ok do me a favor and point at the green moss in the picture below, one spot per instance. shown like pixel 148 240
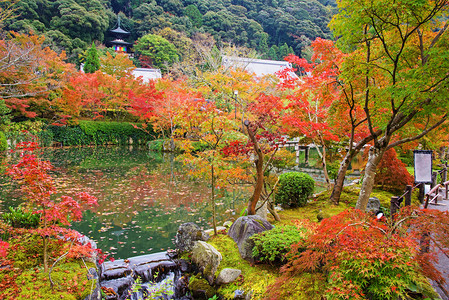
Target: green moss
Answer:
pixel 70 281
pixel 197 283
pixel 255 278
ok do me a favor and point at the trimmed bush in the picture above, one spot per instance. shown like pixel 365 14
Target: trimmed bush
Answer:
pixel 271 246
pixel 3 143
pixel 98 133
pixel 294 188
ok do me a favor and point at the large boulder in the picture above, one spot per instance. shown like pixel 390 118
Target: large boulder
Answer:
pixel 228 275
pixel 373 205
pixel 187 235
pixel 207 258
pixel 241 231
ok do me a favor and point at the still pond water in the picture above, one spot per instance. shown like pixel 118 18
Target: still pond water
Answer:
pixel 143 197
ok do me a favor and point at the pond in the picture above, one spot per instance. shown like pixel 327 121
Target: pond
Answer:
pixel 143 196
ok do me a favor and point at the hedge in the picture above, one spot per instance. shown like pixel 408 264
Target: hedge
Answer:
pixel 3 143
pixel 96 133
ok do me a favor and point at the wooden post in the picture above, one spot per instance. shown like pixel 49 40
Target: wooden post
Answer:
pixel 297 154
pixel 306 155
pixel 434 179
pixel 445 191
pixel 394 205
pixel 421 192
pixel 444 175
pixel 408 196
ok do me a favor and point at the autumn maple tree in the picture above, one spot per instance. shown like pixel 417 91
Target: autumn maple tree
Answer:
pixel 397 71
pixel 201 121
pixel 362 257
pixel 98 94
pixel 38 190
pixel 29 72
pixel 310 105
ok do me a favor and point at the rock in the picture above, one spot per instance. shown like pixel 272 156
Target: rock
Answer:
pixel 211 231
pixel 96 293
pixel 228 275
pixel 187 235
pixel 322 215
pixel 114 288
pixel 263 210
pixel 373 205
pixel 114 270
pixel 201 289
pixel 181 285
pixel 239 294
pixel 242 229
pixel 207 258
pixel 227 224
pixel 278 208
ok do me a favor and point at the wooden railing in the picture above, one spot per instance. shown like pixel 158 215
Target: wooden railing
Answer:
pixel 435 192
pixel 430 197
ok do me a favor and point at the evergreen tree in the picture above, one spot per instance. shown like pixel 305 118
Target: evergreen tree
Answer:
pixel 194 14
pixel 92 63
pixel 262 46
pixel 273 52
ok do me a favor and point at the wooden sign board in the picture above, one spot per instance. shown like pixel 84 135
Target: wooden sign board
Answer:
pixel 423 166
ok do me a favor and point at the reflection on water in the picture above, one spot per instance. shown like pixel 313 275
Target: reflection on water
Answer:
pixel 143 196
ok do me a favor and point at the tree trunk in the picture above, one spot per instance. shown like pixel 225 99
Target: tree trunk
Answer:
pixel 273 211
pixel 259 172
pixel 324 163
pixel 214 220
pixel 259 185
pixel 339 182
pixel 374 157
pixel 45 253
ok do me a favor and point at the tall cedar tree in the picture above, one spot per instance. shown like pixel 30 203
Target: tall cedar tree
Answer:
pixel 92 63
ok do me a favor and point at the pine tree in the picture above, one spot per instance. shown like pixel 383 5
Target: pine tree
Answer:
pixel 92 63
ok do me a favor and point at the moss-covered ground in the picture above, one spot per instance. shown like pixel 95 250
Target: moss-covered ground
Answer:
pixel 22 274
pixel 256 278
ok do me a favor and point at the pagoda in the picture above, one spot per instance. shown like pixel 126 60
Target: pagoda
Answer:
pixel 119 44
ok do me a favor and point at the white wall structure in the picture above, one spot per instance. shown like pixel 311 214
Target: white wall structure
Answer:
pixel 147 74
pixel 260 67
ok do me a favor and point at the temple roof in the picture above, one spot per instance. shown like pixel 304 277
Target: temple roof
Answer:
pixel 119 30
pixel 119 42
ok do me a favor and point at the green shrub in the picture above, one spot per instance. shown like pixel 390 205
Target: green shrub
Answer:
pixel 271 246
pixel 294 188
pixel 18 218
pixel 98 133
pixel 332 169
pixel 3 143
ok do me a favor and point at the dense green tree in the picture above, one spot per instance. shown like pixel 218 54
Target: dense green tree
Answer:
pixel 194 14
pixel 250 23
pixel 4 114
pixel 84 19
pixel 92 62
pixel 156 51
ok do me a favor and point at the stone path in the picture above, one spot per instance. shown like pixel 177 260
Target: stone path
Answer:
pixel 443 260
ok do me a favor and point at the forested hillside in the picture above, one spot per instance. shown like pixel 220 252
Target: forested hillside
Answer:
pixel 272 27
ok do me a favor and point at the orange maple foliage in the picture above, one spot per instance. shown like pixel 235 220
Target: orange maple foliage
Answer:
pixel 94 94
pixel 29 72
